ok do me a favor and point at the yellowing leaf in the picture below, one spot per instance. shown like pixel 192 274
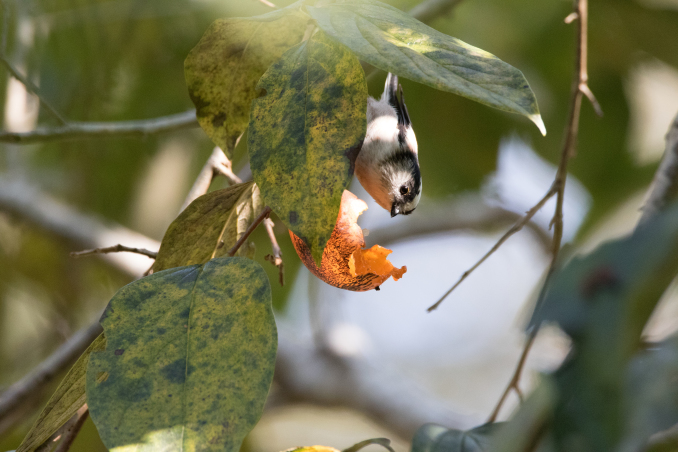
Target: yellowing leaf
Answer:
pixel 223 69
pixel 219 216
pixel 189 359
pixel 305 133
pixel 396 42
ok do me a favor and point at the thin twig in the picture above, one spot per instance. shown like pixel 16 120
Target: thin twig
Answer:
pixel 85 130
pixel 515 379
pixel 115 249
pixel 579 89
pixel 30 86
pixel 57 362
pixel 269 4
pixel 262 216
pixel 71 433
pixel 217 164
pixel 515 228
pixel 276 257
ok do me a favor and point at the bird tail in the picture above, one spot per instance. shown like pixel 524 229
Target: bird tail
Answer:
pixel 390 96
pixel 390 89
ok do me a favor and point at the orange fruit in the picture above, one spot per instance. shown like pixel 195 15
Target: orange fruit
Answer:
pixel 345 262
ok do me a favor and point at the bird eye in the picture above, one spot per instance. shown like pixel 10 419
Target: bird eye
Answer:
pixel 404 190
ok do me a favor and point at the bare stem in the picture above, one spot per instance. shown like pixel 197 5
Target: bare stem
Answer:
pixel 217 164
pixel 269 4
pixel 579 89
pixel 86 130
pixel 276 257
pixel 64 356
pixel 515 379
pixel 30 86
pixel 515 228
pixel 262 216
pixel 115 249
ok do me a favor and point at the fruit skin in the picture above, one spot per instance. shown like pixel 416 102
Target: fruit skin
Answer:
pixel 347 238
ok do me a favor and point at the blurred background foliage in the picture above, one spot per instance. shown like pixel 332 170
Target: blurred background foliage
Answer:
pixel 113 60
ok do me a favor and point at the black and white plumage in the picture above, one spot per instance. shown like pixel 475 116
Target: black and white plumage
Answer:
pixel 388 164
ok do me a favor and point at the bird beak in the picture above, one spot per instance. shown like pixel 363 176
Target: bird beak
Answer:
pixel 394 210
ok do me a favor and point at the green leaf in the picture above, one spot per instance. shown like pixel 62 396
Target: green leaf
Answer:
pixel 651 395
pixel 435 438
pixel 396 42
pixel 220 216
pixel 603 302
pixel 223 69
pixel 625 277
pixel 305 133
pixel 383 442
pixel 66 400
pixel 189 360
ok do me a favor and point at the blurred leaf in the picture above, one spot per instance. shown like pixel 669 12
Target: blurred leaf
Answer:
pixel 529 422
pixel 435 438
pixel 305 133
pixel 223 69
pixel 632 273
pixel 189 359
pixel 64 403
pixel 603 301
pixel 651 397
pixel 384 442
pixel 394 41
pixel 221 215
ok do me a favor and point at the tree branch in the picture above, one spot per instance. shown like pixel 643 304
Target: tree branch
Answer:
pixel 307 374
pixel 664 188
pixel 115 249
pixel 516 227
pixel 30 385
pixel 579 89
pixel 276 257
pixel 27 203
pixel 86 130
pixel 217 164
pixel 30 86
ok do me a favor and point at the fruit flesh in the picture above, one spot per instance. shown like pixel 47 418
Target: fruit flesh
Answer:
pixel 345 263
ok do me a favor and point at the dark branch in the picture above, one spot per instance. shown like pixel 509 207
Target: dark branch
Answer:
pixel 29 386
pixel 262 216
pixel 115 249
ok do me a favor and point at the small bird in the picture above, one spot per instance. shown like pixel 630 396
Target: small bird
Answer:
pixel 388 164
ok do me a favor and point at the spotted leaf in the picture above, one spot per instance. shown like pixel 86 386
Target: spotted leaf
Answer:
pixel 304 135
pixel 396 42
pixel 223 69
pixel 189 359
pixel 209 227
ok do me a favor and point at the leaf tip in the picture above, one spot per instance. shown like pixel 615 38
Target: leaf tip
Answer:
pixel 536 119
